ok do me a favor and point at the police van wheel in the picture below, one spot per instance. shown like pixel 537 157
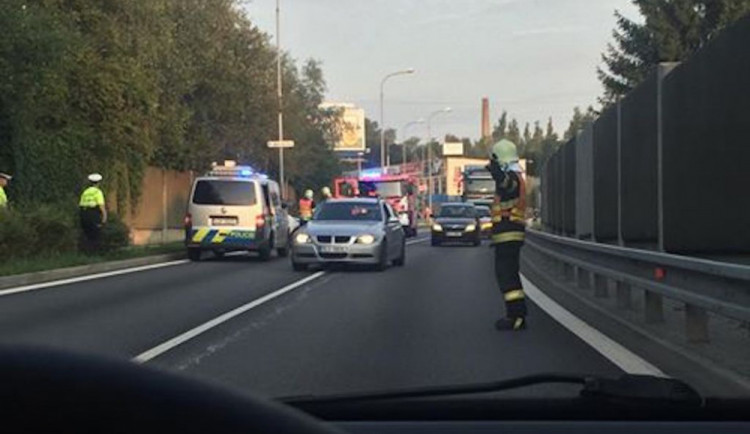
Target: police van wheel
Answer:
pixel 219 253
pixel 194 254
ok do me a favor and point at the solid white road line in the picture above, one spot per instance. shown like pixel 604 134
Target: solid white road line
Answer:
pixel 89 277
pixel 190 334
pixel 614 352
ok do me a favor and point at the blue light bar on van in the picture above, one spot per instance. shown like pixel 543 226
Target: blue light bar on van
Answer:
pixel 236 171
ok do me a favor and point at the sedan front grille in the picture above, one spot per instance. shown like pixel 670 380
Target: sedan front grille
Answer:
pixel 338 239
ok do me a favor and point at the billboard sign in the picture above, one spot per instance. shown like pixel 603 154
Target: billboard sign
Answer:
pixel 453 148
pixel 351 127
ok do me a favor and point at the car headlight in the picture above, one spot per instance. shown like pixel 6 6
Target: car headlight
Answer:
pixel 471 227
pixel 302 238
pixel 437 228
pixel 365 239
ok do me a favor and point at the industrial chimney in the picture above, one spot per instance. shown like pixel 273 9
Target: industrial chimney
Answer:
pixel 486 133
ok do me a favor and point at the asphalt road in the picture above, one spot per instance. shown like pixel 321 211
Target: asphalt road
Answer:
pixel 428 323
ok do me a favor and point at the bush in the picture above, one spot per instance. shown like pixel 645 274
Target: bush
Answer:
pixel 115 234
pixel 46 230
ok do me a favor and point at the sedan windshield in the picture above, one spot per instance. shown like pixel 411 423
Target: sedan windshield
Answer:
pixel 356 211
pixel 457 211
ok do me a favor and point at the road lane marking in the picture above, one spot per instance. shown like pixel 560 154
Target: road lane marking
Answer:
pixel 190 334
pixel 37 286
pixel 418 240
pixel 614 352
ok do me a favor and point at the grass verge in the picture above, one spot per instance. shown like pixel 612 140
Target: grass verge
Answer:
pixel 62 260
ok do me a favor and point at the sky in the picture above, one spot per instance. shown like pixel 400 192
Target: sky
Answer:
pixel 533 58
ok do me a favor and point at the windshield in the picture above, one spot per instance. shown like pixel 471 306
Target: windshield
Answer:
pixel 355 211
pixel 224 193
pixel 457 211
pixel 486 186
pixel 280 196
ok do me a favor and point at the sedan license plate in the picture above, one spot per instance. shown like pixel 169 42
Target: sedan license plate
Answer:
pixel 332 249
pixel 224 221
pixel 453 234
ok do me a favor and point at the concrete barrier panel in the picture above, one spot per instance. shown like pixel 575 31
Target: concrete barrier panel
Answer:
pixel 585 183
pixel 569 187
pixel 638 165
pixel 705 148
pixel 605 176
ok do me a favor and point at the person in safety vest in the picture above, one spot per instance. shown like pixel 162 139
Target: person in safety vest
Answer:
pixel 508 231
pixel 325 192
pixel 306 206
pixel 4 180
pixel 93 213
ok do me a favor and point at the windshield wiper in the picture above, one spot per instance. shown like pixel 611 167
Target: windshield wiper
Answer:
pixel 628 387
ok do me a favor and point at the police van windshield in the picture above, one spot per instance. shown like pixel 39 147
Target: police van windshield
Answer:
pixel 220 192
pixel 348 211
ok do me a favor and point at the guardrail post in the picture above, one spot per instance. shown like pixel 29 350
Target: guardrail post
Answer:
pixel 583 278
pixel 696 323
pixel 624 299
pixel 653 307
pixel 568 272
pixel 601 286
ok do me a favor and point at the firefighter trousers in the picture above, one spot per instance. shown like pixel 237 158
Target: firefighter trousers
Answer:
pixel 507 258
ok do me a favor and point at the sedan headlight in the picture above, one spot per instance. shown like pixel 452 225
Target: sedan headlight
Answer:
pixel 365 239
pixel 471 227
pixel 437 228
pixel 302 238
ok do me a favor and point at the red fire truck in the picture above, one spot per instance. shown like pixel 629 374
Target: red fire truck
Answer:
pixel 400 191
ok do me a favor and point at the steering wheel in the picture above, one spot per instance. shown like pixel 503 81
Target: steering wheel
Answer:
pixel 44 390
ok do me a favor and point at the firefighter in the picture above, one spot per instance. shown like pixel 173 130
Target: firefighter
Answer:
pixel 325 192
pixel 4 180
pixel 93 213
pixel 306 206
pixel 508 231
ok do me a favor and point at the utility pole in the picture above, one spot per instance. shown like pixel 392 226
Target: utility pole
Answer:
pixel 280 95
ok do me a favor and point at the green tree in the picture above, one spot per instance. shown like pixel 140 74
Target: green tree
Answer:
pixel 579 121
pixel 672 31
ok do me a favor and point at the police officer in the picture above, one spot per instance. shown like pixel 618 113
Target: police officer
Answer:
pixel 508 231
pixel 93 213
pixel 4 180
pixel 306 206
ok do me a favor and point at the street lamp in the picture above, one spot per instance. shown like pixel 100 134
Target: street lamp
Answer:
pixel 382 125
pixel 429 151
pixel 403 135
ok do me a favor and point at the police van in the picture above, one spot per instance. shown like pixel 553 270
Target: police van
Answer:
pixel 233 208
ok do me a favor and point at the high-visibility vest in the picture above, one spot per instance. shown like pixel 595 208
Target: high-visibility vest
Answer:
pixel 305 208
pixel 509 210
pixel 3 198
pixel 92 197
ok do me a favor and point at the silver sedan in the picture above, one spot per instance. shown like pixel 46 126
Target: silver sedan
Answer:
pixel 352 231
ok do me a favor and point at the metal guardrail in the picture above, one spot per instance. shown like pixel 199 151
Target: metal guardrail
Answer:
pixel 702 285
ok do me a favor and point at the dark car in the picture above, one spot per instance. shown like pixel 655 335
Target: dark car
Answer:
pixel 456 223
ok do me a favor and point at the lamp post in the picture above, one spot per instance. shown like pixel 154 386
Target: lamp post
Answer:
pixel 383 161
pixel 280 96
pixel 403 135
pixel 429 151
